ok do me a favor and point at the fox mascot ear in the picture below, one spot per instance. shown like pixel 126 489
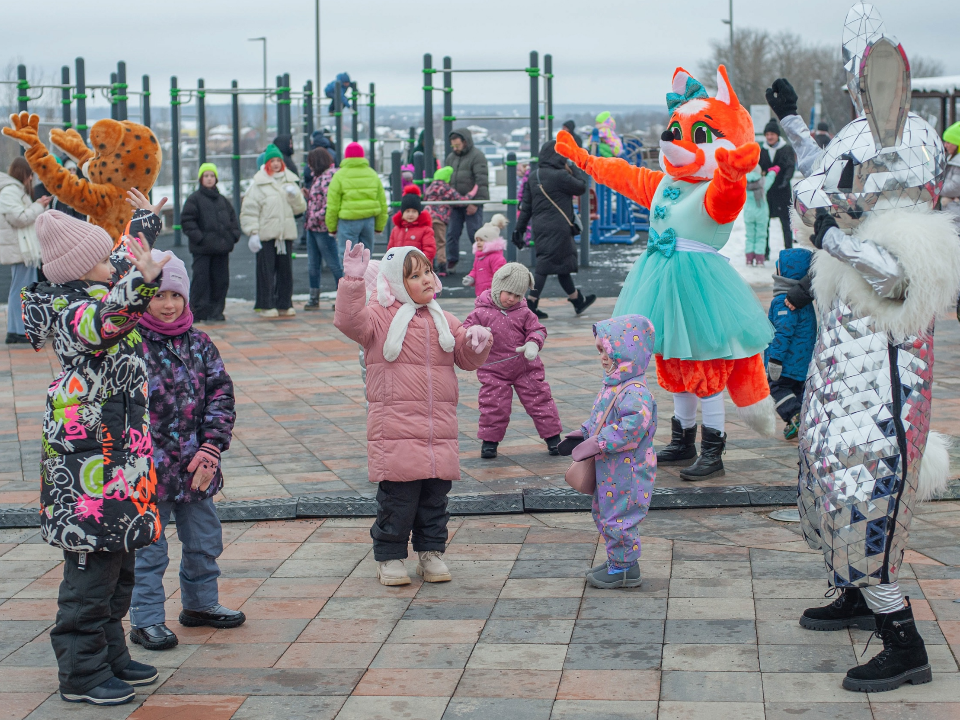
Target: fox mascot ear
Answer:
pixel 725 93
pixel 680 77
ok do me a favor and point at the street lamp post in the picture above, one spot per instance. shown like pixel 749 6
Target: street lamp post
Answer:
pixel 729 21
pixel 318 94
pixel 264 41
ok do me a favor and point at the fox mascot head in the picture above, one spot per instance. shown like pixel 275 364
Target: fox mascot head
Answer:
pixel 700 125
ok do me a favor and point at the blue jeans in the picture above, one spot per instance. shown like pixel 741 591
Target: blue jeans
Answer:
pixel 20 276
pixel 322 246
pixel 201 536
pixel 354 230
pixel 458 220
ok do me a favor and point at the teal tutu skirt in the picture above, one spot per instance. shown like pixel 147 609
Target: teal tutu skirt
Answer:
pixel 700 307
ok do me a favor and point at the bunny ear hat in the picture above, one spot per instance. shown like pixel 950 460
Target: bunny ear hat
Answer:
pixel 390 289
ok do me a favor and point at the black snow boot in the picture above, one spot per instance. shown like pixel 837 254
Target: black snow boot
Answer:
pixel 553 444
pixel 581 302
pixel 314 302
pixel 902 660
pixel 709 464
pixel 848 610
pixel 488 451
pixel 682 450
pixel 533 303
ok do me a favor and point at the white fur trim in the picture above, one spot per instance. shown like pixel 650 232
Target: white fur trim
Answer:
pixel 760 417
pixel 934 467
pixel 692 107
pixel 926 245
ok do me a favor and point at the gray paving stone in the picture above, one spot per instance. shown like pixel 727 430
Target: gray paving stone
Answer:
pixel 789 632
pixel 551 568
pixel 818 711
pixel 613 657
pixel 527 631
pixel 296 707
pixel 53 708
pixel 497 709
pixel 19 632
pixel 450 609
pixel 711 632
pixel 424 656
pixel 623 607
pixel 33 654
pixel 711 686
pixel 603 710
pixel 618 631
pixel 557 551
pixel 490 535
pixel 807 658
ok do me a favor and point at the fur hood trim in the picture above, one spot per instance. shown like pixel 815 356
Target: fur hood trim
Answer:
pixel 927 247
pixel 497 245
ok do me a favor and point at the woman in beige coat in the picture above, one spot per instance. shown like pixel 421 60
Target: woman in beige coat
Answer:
pixel 267 217
pixel 19 247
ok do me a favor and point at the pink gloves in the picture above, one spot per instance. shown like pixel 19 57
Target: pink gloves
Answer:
pixel 774 169
pixel 355 260
pixel 479 337
pixel 204 467
pixel 587 449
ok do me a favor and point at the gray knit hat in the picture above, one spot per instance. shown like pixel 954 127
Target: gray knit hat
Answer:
pixel 512 277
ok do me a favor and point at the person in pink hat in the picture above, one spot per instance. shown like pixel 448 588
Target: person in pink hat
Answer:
pixel 356 201
pixel 98 492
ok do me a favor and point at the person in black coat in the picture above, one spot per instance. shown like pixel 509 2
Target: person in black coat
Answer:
pixel 284 144
pixel 775 151
pixel 547 205
pixel 210 222
pixel 571 127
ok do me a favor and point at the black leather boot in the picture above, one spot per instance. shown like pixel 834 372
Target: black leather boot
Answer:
pixel 709 464
pixel 533 303
pixel 902 660
pixel 581 302
pixel 218 616
pixel 682 450
pixel 553 445
pixel 154 637
pixel 488 451
pixel 848 610
pixel 314 302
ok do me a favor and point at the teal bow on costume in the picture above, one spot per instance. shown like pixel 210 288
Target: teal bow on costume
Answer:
pixel 693 91
pixel 665 242
pixel 671 193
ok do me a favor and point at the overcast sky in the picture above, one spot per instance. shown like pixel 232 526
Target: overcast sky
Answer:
pixel 624 54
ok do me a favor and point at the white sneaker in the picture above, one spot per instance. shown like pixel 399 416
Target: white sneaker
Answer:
pixel 392 572
pixel 289 312
pixel 432 568
pixel 271 313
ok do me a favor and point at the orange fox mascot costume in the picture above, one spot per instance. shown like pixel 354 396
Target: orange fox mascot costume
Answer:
pixel 125 155
pixel 711 329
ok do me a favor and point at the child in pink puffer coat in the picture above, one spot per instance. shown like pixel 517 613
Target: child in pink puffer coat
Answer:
pixel 518 337
pixel 410 347
pixel 488 256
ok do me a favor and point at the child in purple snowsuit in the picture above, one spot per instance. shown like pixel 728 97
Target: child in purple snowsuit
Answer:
pixel 518 337
pixel 623 447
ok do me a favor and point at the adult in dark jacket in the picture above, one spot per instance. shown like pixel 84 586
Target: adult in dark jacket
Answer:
pixel 469 168
pixel 775 151
pixel 547 205
pixel 211 224
pixel 284 144
pixel 571 127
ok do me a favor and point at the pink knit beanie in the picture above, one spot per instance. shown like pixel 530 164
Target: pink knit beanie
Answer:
pixel 174 274
pixel 70 248
pixel 353 150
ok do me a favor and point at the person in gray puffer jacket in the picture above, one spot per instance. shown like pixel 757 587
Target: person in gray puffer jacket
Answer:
pixel 469 168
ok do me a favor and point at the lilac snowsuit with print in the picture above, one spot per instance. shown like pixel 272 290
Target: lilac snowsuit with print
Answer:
pixel 627 463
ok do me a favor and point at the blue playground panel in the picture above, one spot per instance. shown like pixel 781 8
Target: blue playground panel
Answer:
pixel 620 219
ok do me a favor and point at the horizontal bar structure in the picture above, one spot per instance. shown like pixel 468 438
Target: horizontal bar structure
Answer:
pixel 517 70
pixel 489 117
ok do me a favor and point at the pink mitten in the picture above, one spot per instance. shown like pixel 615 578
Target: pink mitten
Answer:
pixel 587 449
pixel 479 337
pixel 774 169
pixel 355 260
pixel 204 466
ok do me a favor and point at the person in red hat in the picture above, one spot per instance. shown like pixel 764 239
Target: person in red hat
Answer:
pixel 413 226
pixel 356 201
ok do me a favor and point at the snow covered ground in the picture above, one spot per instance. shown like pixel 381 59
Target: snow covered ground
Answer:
pixel 734 249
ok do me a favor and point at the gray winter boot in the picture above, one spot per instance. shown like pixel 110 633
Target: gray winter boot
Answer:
pixel 314 303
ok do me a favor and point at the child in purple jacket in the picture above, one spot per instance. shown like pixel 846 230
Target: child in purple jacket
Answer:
pixel 518 337
pixel 622 445
pixel 191 422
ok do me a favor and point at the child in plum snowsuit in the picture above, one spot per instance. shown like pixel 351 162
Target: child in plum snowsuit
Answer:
pixel 488 256
pixel 795 334
pixel 622 446
pixel 756 213
pixel 518 337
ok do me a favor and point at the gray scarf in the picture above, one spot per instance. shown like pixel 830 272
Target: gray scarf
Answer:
pixel 757 187
pixel 782 285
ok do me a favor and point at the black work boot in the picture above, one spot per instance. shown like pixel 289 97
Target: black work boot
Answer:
pixel 682 450
pixel 902 660
pixel 848 610
pixel 488 451
pixel 581 302
pixel 532 303
pixel 553 444
pixel 314 303
pixel 709 464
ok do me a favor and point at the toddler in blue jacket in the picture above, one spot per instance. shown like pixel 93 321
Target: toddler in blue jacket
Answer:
pixel 795 333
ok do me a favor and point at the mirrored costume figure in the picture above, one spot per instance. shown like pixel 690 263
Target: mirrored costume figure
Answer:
pixel 887 263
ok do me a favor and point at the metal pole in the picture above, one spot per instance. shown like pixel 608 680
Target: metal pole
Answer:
pixel 201 121
pixel 729 21
pixel 145 102
pixel 418 168
pixel 534 72
pixel 338 119
pixel 263 139
pixel 411 144
pixel 121 90
pixel 287 114
pixel 396 184
pixel 81 97
pixel 279 93
pixel 355 127
pixel 175 143
pixel 316 46
pixel 511 165
pixel 548 94
pixel 447 106
pixel 428 72
pixel 373 126
pixel 235 160
pixel 585 221
pixel 113 96
pixel 307 117
pixel 22 86
pixel 65 96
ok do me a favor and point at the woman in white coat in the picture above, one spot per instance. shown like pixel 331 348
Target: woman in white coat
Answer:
pixel 19 247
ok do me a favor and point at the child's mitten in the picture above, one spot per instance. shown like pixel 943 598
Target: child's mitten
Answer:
pixel 479 337
pixel 529 350
pixel 587 449
pixel 254 244
pixel 774 369
pixel 204 467
pixel 468 281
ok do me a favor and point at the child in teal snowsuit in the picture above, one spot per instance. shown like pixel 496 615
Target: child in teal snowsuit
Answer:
pixel 756 213
pixel 622 446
